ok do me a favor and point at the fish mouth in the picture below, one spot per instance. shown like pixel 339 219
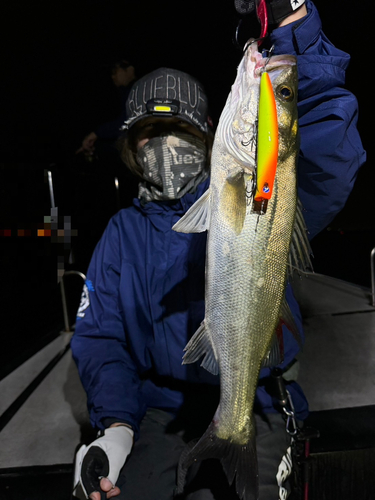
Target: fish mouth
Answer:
pixel 257 64
pixel 274 63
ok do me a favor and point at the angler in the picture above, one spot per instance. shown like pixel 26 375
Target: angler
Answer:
pixel 146 294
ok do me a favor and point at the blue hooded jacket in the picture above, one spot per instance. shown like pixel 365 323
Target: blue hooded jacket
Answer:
pixel 331 151
pixel 144 295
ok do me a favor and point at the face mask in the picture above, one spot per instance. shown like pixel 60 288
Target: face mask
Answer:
pixel 173 165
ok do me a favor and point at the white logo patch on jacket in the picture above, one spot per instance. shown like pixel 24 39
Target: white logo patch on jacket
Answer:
pixel 85 299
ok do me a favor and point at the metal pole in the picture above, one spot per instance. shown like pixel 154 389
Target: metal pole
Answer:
pixel 78 273
pixel 50 184
pixel 63 299
pixel 64 306
pixel 373 276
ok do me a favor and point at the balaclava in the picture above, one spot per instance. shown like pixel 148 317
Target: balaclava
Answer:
pixel 173 165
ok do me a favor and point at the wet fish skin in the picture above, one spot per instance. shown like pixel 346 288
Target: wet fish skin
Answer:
pixel 247 256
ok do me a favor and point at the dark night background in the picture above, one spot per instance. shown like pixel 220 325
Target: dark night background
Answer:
pixel 56 88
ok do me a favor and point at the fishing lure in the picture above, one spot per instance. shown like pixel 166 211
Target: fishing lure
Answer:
pixel 268 141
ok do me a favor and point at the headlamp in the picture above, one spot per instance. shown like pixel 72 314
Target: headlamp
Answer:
pixel 163 107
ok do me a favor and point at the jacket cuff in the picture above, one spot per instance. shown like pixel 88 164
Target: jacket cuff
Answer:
pixel 107 422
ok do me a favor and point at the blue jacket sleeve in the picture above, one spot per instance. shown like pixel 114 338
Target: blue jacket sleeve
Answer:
pixel 107 371
pixel 331 151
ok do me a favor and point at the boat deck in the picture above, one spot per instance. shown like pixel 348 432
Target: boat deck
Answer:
pixel 335 371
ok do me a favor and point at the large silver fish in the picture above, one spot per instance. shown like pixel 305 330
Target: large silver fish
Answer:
pixel 247 260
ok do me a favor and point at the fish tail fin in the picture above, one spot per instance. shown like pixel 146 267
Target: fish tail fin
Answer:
pixel 239 462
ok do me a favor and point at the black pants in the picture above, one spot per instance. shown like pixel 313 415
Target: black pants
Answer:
pixel 150 472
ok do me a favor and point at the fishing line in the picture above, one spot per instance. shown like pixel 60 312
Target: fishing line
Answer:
pixel 267 54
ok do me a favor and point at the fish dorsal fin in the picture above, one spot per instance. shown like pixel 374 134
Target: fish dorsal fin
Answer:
pixel 197 218
pixel 198 345
pixel 300 250
pixel 275 355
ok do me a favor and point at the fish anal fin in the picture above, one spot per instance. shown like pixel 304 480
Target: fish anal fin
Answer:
pixel 239 462
pixel 275 355
pixel 197 218
pixel 287 319
pixel 233 200
pixel 200 344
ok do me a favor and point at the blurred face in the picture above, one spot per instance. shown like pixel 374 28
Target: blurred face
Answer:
pixel 122 77
pixel 153 126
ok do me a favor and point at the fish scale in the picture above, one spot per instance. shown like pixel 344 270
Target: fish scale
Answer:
pixel 246 264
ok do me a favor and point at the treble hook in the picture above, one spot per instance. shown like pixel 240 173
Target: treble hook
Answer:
pixel 251 141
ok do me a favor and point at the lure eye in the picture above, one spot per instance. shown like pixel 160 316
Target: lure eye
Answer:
pixel 286 93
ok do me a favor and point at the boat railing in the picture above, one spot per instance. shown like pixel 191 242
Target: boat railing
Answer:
pixel 67 325
pixel 373 276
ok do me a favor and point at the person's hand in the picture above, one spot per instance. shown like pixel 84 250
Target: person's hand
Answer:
pixel 97 466
pixel 88 144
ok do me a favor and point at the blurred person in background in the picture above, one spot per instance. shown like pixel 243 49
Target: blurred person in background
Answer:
pixel 123 76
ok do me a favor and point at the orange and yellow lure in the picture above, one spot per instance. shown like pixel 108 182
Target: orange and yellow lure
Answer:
pixel 268 140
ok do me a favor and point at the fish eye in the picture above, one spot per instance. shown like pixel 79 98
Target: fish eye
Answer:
pixel 285 93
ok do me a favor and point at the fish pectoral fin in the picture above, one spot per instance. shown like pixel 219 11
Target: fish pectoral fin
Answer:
pixel 233 200
pixel 235 175
pixel 200 344
pixel 275 355
pixel 300 250
pixel 286 318
pixel 197 218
